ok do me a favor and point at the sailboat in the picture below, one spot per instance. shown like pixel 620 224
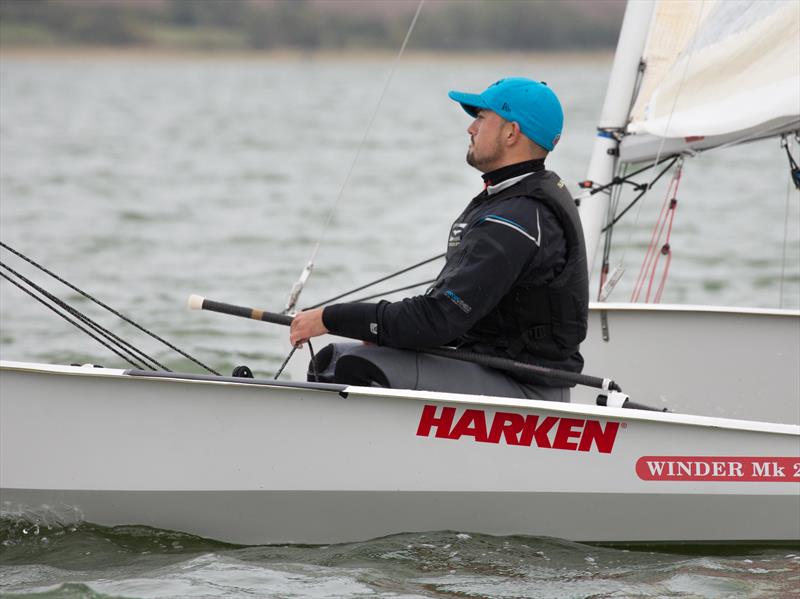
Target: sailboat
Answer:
pixel 261 461
pixel 689 78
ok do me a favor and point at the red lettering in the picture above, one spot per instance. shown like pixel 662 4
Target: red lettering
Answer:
pixel 568 428
pixel 602 438
pixel 508 425
pixel 473 424
pixel 443 424
pixel 531 431
pixel 550 432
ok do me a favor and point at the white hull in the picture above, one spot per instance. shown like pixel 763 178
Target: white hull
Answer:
pixel 252 463
pixel 710 361
pixel 723 362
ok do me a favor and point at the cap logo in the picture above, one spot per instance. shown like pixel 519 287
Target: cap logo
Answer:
pixel 505 107
pixel 555 139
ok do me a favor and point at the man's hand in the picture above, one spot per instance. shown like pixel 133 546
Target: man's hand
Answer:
pixel 306 325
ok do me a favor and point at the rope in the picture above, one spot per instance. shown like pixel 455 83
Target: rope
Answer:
pixel 652 256
pixel 617 180
pixel 285 361
pixel 107 307
pixel 666 250
pixel 313 362
pixel 289 357
pixel 643 190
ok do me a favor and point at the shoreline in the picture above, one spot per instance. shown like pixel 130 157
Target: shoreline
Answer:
pixel 154 54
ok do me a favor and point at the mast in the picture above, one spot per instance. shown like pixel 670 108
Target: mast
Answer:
pixel 614 118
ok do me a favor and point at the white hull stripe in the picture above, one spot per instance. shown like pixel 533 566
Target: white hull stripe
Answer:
pixel 509 223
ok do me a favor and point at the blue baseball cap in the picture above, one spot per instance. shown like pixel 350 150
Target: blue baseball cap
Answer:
pixel 530 103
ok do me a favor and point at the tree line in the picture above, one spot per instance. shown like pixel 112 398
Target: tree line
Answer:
pixel 449 25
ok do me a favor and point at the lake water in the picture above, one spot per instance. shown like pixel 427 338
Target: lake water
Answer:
pixel 143 181
pixel 89 561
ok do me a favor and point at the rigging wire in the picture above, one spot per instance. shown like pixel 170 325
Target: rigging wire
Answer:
pixel 107 307
pixel 615 193
pixel 794 169
pixel 643 190
pixel 298 286
pixel 149 362
pixel 390 292
pixel 785 239
pixel 661 145
pixel 618 180
pixel 793 179
pixel 381 280
pixel 71 321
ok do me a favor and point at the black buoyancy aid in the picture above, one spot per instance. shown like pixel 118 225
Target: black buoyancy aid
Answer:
pixel 545 320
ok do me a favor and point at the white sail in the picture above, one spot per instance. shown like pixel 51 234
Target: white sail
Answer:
pixel 716 71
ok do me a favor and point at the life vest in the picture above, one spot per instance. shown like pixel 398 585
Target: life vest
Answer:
pixel 549 320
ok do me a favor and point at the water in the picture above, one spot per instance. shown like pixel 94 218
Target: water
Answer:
pixel 90 561
pixel 143 181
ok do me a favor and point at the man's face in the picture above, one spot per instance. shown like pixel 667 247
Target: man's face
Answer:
pixel 485 149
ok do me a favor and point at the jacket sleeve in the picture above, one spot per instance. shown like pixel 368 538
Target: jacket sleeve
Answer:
pixel 490 258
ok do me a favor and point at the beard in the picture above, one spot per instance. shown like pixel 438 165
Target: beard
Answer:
pixel 484 160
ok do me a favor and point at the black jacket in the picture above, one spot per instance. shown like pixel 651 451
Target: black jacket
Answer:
pixel 512 253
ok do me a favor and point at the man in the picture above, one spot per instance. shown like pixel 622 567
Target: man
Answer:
pixel 515 281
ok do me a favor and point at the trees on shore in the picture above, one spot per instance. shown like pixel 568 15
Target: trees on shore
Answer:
pixel 313 24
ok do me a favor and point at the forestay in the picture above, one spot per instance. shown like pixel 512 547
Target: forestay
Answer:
pixel 716 72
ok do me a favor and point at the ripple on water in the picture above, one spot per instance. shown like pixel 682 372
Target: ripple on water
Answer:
pixel 135 561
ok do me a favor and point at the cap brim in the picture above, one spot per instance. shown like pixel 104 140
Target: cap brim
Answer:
pixel 469 102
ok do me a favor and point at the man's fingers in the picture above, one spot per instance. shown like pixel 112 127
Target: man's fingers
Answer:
pixel 306 325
